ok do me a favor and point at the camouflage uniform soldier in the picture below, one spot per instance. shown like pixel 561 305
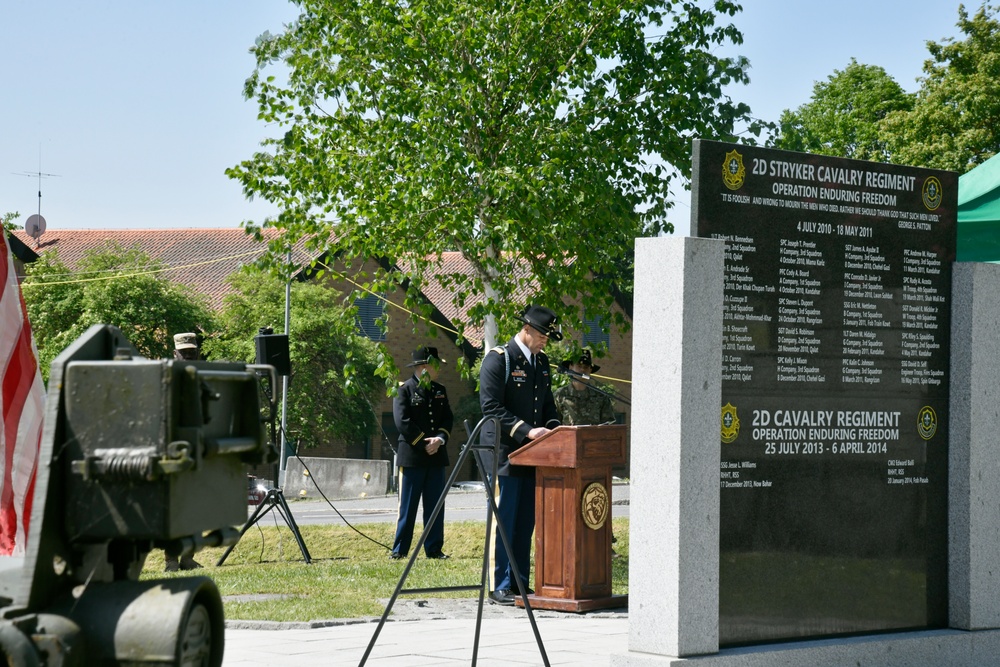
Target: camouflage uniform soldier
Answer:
pixel 185 347
pixel 577 404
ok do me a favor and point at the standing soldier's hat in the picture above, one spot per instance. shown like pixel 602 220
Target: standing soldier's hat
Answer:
pixel 186 341
pixel 583 358
pixel 423 355
pixel 542 319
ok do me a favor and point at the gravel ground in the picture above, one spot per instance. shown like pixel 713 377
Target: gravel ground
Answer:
pixel 416 608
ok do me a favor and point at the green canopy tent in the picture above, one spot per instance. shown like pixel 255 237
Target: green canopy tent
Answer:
pixel 979 213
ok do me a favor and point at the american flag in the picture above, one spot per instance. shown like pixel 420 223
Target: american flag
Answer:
pixel 22 397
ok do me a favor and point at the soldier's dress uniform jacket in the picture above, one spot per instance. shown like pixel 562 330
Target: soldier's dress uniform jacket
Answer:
pixel 521 399
pixel 420 412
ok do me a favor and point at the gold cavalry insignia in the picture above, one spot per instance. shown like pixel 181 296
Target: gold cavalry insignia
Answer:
pixel 594 505
pixel 927 422
pixel 932 193
pixel 733 172
pixel 730 423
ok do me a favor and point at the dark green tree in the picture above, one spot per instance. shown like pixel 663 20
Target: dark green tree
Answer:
pixel 843 117
pixel 333 386
pixel 7 223
pixel 539 139
pixel 112 285
pixel 955 120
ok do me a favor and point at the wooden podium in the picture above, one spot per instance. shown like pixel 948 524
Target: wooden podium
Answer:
pixel 573 515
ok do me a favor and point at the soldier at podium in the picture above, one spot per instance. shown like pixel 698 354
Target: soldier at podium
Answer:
pixel 515 385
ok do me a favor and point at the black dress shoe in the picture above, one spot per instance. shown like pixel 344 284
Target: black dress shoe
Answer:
pixel 439 556
pixel 395 556
pixel 502 596
pixel 188 563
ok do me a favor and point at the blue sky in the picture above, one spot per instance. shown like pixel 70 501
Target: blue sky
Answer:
pixel 137 106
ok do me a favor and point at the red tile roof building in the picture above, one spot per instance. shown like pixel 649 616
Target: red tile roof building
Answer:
pixel 199 258
pixel 203 258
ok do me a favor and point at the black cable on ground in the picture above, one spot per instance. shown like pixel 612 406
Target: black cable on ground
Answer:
pixel 295 452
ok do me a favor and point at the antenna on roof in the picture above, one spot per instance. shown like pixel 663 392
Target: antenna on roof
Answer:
pixel 34 226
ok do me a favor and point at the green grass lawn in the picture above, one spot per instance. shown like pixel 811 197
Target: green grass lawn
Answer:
pixel 266 578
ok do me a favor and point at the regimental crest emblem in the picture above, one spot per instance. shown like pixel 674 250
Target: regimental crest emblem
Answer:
pixel 733 172
pixel 594 505
pixel 932 193
pixel 927 422
pixel 730 424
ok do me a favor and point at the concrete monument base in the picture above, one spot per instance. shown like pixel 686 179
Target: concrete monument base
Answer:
pixel 941 648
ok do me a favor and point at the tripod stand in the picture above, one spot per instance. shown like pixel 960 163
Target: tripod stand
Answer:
pixel 476 451
pixel 273 500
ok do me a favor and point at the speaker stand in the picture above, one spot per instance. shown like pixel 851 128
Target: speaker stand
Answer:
pixel 274 500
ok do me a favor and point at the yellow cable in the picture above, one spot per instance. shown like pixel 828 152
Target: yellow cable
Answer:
pixel 344 276
pixel 119 276
pixel 339 274
pixel 441 326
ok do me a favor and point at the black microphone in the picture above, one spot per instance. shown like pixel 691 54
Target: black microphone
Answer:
pixel 570 372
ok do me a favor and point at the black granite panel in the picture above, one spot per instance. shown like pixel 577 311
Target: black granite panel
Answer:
pixel 833 422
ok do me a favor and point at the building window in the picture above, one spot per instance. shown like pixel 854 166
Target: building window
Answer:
pixel 370 310
pixel 596 337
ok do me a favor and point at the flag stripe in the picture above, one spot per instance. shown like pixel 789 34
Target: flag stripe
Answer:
pixel 21 410
pixel 29 437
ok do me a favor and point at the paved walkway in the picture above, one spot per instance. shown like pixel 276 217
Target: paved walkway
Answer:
pixel 571 640
pixel 432 631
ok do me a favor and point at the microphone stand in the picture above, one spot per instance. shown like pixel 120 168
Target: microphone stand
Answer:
pixel 585 381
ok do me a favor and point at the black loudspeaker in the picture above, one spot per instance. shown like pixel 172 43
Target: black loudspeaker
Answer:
pixel 273 349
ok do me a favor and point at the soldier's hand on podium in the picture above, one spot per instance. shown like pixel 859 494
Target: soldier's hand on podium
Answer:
pixel 537 432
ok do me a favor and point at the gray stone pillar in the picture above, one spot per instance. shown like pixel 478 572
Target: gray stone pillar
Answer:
pixel 974 448
pixel 676 389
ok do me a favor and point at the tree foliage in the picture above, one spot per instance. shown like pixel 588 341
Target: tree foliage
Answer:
pixel 7 221
pixel 112 285
pixel 955 120
pixel 333 385
pixel 842 118
pixel 540 135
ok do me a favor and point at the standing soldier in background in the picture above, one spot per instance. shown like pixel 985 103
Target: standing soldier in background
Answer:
pixel 579 405
pixel 424 419
pixel 185 348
